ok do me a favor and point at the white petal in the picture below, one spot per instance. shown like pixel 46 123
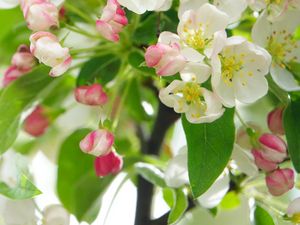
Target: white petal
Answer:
pixel 244 161
pixel 196 72
pixel 232 8
pixel 261 30
pixel 218 43
pixel 135 6
pixel 192 55
pixel 176 173
pixel 214 195
pixel 294 207
pixel 167 38
pixel 283 78
pixel 186 5
pixel 7 4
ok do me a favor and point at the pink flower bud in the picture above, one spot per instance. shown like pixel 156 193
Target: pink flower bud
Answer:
pixel 98 142
pixel 110 163
pixel 112 21
pixel 91 95
pixel 275 123
pixel 166 59
pixel 280 181
pixel 22 62
pixel 37 122
pixel 46 47
pixel 263 163
pixel 40 15
pixel 273 147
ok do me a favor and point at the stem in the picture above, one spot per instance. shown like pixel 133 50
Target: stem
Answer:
pixel 278 92
pixel 241 119
pixel 79 13
pixel 80 31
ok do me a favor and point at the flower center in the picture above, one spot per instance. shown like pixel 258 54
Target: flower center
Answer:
pixel 192 92
pixel 230 65
pixel 277 2
pixel 195 37
pixel 296 218
pixel 280 46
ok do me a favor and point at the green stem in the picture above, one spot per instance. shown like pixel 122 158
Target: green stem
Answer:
pixel 80 31
pixel 278 92
pixel 241 119
pixel 80 13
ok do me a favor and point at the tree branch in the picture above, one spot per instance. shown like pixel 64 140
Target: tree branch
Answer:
pixel 165 118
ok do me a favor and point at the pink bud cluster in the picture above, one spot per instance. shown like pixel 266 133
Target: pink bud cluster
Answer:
pixel 270 152
pixel 37 122
pixel 40 15
pixel 166 59
pixel 91 95
pixel 112 21
pixel 22 62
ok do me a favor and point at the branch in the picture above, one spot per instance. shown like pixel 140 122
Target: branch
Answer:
pixel 164 120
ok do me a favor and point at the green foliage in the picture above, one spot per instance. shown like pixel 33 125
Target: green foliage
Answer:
pixel 18 97
pixel 230 201
pixel 78 188
pixel 151 174
pixel 102 68
pixel 262 217
pixel 23 190
pixel 209 150
pixel 136 60
pixel 178 205
pixel 291 122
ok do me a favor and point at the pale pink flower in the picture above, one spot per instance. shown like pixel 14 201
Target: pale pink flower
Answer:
pixel 46 47
pixel 263 163
pixel 97 142
pixel 166 59
pixel 112 21
pixel 91 95
pixel 275 122
pixel 110 163
pixel 37 122
pixel 40 15
pixel 280 181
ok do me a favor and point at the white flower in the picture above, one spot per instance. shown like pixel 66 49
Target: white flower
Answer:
pixel 277 38
pixel 176 174
pixel 214 195
pixel 238 72
pixel 141 6
pixel 198 104
pixel 56 215
pixel 199 27
pixel 274 9
pixel 7 4
pixel 233 8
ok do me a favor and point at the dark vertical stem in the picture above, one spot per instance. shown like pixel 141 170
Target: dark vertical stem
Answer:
pixel 165 118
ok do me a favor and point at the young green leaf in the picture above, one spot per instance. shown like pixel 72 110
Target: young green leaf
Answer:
pixel 291 123
pixel 23 190
pixel 209 149
pixel 262 217
pixel 17 97
pixel 150 173
pixel 179 206
pixel 78 188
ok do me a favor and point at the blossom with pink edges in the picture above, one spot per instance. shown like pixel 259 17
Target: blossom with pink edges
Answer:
pixel 275 122
pixel 110 163
pixel 280 181
pixel 91 95
pixel 112 21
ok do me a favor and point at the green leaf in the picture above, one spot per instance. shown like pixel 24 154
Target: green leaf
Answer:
pixel 102 68
pixel 179 206
pixel 136 60
pixel 78 188
pixel 291 121
pixel 230 201
pixel 262 217
pixel 23 190
pixel 16 98
pixel 209 150
pixel 150 173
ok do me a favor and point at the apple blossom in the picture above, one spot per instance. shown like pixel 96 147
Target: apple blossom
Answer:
pixel 97 142
pixel 40 15
pixel 7 4
pixel 202 28
pixel 166 59
pixel 55 215
pixel 275 122
pixel 232 8
pixel 280 181
pixel 199 104
pixel 110 163
pixel 22 62
pixel 277 38
pixel 293 210
pixel 90 95
pixel 246 136
pixel 273 147
pixel 47 49
pixel 37 122
pixel 112 21
pixel 263 163
pixel 141 6
pixel 238 72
